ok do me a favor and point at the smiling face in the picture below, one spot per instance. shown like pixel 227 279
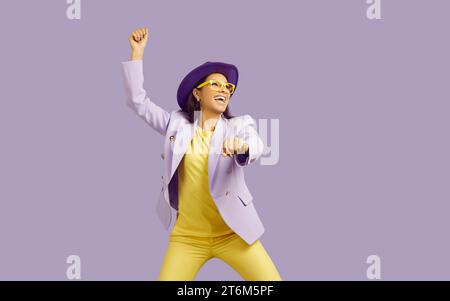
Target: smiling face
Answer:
pixel 211 100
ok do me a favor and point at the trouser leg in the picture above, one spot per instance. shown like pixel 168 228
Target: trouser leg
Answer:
pixel 252 262
pixel 184 258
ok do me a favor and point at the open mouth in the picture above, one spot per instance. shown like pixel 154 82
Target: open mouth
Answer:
pixel 220 99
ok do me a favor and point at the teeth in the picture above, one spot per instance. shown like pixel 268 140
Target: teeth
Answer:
pixel 220 98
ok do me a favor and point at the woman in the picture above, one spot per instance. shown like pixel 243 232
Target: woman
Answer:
pixel 205 152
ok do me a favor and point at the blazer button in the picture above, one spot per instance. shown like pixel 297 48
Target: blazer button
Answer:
pixel 172 138
pixel 227 193
pixel 162 156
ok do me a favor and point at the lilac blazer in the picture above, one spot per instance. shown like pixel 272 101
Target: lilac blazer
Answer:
pixel 226 175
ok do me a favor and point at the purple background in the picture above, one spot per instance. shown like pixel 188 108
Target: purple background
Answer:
pixel 364 145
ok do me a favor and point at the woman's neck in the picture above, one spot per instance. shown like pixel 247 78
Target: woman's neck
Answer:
pixel 208 120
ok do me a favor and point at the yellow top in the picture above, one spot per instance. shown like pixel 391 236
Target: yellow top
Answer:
pixel 197 212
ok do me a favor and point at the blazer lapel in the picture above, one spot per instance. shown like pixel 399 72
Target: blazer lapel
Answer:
pixel 182 140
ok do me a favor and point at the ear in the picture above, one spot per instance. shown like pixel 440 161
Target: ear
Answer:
pixel 196 94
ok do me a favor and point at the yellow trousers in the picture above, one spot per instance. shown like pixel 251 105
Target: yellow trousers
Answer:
pixel 185 256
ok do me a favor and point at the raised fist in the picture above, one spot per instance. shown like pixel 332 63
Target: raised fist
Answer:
pixel 138 40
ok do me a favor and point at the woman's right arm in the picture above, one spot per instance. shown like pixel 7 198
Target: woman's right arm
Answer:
pixel 137 98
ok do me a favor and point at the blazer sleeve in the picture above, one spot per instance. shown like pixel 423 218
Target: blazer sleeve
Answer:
pixel 248 133
pixel 138 100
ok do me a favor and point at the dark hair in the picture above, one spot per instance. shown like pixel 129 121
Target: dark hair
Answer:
pixel 193 105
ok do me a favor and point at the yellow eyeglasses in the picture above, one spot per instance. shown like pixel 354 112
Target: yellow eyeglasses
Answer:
pixel 217 85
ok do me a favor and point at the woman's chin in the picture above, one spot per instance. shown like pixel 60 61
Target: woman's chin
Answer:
pixel 220 109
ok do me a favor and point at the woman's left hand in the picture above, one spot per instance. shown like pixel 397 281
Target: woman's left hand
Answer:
pixel 234 146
